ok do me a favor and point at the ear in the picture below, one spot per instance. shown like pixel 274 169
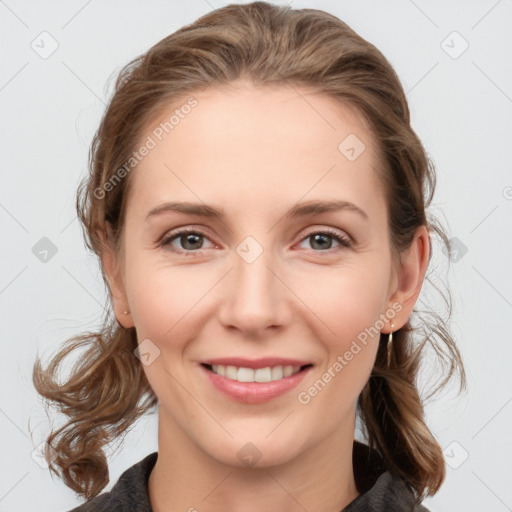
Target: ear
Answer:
pixel 410 272
pixel 114 277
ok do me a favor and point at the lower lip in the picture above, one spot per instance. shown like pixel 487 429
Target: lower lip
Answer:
pixel 254 392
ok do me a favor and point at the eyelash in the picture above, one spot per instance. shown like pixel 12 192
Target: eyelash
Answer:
pixel 343 240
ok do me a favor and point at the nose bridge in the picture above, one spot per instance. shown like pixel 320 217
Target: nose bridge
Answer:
pixel 255 297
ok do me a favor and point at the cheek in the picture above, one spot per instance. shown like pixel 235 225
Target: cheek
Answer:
pixel 350 355
pixel 165 302
pixel 345 306
pixel 340 302
pixel 345 300
pixel 163 297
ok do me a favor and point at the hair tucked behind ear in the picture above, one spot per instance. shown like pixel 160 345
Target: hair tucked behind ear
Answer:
pixel 270 46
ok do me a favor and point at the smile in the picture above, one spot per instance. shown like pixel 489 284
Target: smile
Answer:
pixel 242 374
pixel 254 385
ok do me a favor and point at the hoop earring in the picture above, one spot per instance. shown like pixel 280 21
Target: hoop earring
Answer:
pixel 390 345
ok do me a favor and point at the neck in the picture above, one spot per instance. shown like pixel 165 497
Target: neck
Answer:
pixel 187 478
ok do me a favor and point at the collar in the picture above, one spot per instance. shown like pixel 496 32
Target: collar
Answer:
pixel 379 489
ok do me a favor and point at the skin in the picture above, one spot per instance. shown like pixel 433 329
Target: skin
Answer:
pixel 255 153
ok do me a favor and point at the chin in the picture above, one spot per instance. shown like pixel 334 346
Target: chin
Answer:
pixel 248 451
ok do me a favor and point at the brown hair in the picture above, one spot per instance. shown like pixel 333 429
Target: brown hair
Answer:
pixel 106 390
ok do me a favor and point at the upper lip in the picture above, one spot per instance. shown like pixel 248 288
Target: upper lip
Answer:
pixel 263 362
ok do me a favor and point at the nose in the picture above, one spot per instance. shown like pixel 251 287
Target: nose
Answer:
pixel 254 297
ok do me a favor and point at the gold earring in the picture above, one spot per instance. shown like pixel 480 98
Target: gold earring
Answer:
pixel 390 345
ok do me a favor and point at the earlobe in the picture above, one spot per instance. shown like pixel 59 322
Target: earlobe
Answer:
pixel 410 275
pixel 116 287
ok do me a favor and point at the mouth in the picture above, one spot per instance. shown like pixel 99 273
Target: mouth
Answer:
pixel 262 375
pixel 254 385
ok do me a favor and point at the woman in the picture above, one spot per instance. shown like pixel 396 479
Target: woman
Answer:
pixel 257 199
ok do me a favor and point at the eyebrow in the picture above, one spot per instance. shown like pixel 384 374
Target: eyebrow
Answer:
pixel 312 207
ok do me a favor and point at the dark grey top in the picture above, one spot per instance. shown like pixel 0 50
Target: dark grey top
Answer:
pixel 380 490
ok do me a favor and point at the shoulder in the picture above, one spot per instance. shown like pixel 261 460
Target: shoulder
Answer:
pixel 129 494
pixel 380 490
pixel 391 489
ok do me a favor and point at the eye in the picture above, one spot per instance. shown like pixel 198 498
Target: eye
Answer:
pixel 191 241
pixel 323 240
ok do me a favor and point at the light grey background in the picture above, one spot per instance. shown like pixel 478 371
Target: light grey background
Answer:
pixel 461 105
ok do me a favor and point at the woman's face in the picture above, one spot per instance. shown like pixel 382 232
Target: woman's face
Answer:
pixel 267 282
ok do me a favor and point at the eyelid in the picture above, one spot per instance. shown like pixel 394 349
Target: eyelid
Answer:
pixel 174 234
pixel 340 236
pixel 343 238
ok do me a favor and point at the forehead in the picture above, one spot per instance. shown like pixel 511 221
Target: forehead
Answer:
pixel 256 147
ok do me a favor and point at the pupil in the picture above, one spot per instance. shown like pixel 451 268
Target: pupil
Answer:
pixel 190 239
pixel 319 237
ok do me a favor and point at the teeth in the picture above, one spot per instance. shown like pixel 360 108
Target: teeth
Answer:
pixel 230 372
pixel 263 375
pixel 245 375
pixel 277 372
pixel 267 374
pixel 221 370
